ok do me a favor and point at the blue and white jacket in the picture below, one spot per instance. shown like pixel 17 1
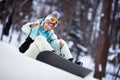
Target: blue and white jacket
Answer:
pixel 49 35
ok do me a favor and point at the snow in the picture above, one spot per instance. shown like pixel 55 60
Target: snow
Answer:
pixel 116 50
pixel 82 47
pixel 111 69
pixel 87 61
pixel 100 68
pixel 16 66
pixel 96 27
pixel 36 7
pixel 14 39
pixel 89 17
pixel 70 44
pixel 111 57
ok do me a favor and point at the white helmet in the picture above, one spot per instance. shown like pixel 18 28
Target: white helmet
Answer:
pixel 53 18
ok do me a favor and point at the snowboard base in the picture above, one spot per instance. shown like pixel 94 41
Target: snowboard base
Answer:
pixel 59 62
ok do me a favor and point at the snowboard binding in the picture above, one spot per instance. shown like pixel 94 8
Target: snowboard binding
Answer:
pixel 76 62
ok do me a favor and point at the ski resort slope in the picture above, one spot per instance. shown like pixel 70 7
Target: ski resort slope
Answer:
pixel 16 66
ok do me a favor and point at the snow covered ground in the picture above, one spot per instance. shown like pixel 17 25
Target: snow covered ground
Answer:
pixel 6 73
pixel 16 66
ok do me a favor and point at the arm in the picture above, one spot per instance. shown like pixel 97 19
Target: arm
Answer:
pixel 28 26
pixel 54 41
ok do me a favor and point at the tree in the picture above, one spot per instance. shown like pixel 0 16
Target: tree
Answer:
pixel 103 43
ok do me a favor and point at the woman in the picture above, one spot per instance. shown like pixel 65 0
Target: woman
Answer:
pixel 44 37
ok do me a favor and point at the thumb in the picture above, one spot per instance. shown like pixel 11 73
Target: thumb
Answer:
pixel 60 44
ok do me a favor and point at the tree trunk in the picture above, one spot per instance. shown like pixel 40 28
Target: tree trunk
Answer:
pixel 114 31
pixel 7 26
pixel 104 38
pixel 7 17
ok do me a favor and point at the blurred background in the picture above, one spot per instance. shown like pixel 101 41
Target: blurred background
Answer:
pixel 90 27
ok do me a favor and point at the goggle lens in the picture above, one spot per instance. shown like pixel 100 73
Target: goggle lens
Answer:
pixel 53 21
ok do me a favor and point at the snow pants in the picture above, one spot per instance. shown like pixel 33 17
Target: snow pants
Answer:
pixel 41 44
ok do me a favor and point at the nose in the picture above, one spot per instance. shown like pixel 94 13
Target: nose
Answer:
pixel 51 25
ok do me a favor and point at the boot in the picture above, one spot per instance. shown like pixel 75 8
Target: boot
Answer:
pixel 79 63
pixel 71 59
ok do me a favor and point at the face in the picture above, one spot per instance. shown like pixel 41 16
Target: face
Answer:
pixel 48 26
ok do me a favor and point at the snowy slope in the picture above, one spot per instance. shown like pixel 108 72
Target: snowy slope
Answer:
pixel 16 66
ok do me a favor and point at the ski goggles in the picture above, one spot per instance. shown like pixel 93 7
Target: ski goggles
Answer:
pixel 53 21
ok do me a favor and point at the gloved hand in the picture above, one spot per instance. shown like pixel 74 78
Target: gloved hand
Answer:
pixel 34 25
pixel 60 44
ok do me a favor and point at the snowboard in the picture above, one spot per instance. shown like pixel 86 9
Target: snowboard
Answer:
pixel 61 63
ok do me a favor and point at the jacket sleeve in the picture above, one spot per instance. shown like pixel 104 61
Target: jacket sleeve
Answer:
pixel 53 40
pixel 26 28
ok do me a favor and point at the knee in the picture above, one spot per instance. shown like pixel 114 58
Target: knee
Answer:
pixel 39 39
pixel 62 41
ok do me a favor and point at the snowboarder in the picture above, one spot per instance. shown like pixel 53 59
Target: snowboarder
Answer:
pixel 44 38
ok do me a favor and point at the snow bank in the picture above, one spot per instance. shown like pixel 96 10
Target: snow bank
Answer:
pixel 16 66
